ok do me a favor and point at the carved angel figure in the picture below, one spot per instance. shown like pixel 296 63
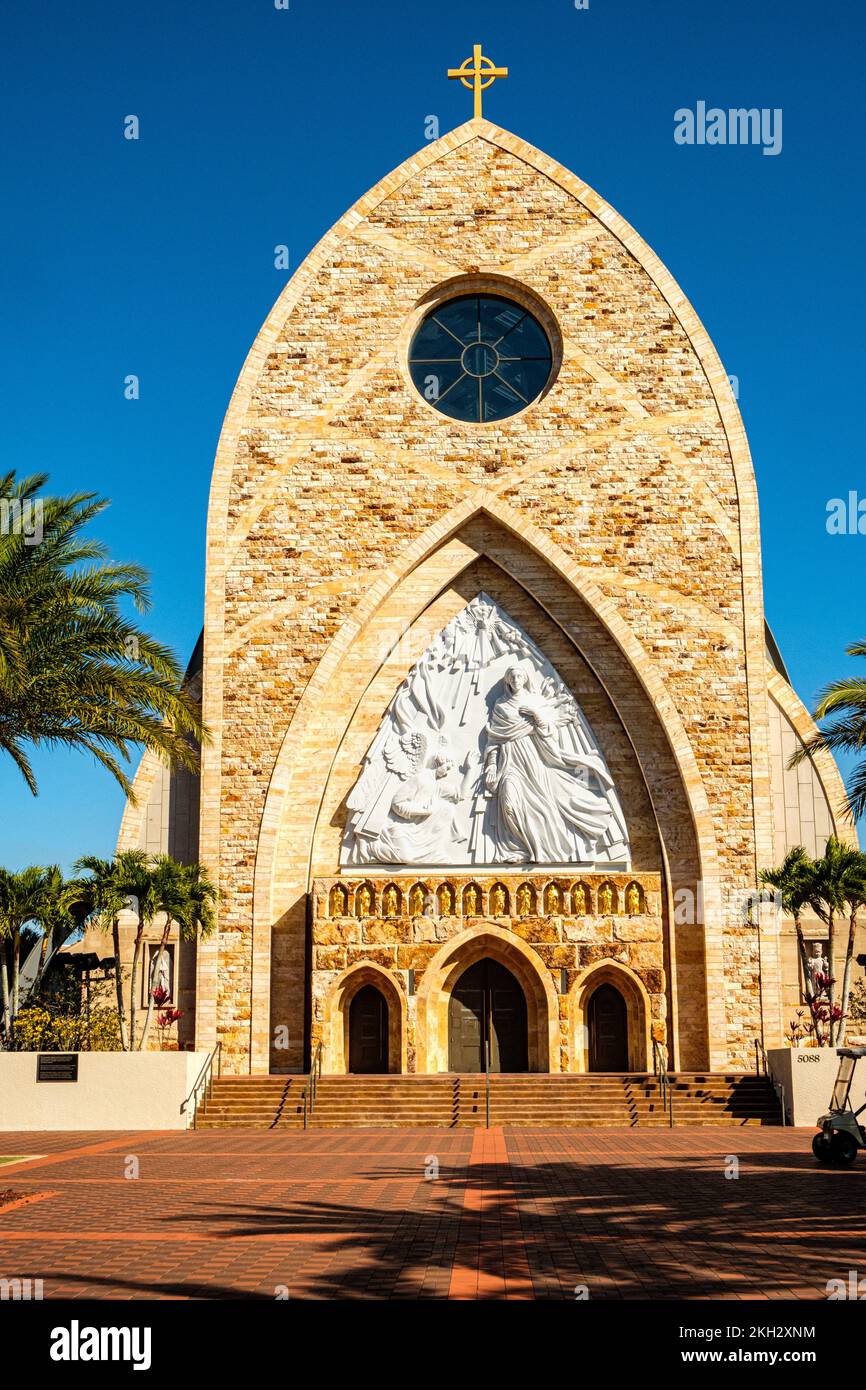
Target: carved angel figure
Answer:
pixel 418 825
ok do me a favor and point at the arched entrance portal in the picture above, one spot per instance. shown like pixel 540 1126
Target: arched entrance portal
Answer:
pixel 487 1020
pixel 368 1032
pixel 607 1020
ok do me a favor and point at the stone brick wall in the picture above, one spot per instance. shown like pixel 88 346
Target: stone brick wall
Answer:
pixel 626 490
pixel 566 944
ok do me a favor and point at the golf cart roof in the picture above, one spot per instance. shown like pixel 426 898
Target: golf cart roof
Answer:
pixel 855 1052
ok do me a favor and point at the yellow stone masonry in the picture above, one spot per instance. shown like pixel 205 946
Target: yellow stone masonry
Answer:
pixel 616 519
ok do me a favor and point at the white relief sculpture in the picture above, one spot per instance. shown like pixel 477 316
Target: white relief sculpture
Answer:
pixel 541 809
pixel 421 818
pixel 484 757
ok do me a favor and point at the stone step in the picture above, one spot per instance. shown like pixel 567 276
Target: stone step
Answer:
pixel 449 1101
pixel 518 1078
pixel 537 1119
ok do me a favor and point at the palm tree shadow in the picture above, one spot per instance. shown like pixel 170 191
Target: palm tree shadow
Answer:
pixel 678 1230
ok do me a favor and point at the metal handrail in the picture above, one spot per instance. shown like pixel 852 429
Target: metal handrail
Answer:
pixel 762 1061
pixel 312 1082
pixel 487 1086
pixel 666 1089
pixel 205 1081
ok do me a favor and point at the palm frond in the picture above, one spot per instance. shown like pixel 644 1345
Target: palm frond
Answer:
pixel 74 670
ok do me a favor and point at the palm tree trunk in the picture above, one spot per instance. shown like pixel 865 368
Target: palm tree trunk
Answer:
pixel 4 983
pixel 831 967
pixel 118 980
pixel 154 975
pixel 133 983
pixel 846 977
pixel 16 971
pixel 46 937
pixel 804 957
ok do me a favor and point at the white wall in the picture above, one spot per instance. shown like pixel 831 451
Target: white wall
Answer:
pixel 807 1074
pixel 114 1090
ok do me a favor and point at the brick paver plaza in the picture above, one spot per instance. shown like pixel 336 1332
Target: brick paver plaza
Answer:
pixel 514 1213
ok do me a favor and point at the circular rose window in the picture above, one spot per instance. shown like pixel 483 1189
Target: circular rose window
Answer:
pixel 480 358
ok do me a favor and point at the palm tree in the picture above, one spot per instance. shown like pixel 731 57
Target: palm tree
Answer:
pixel 855 899
pixel 111 885
pixel 843 703
pixel 62 907
pixel 136 876
pixel 20 898
pixel 74 671
pixel 794 881
pixel 186 895
pixel 835 874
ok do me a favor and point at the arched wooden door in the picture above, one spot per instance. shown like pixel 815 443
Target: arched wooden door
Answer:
pixel 607 1019
pixel 368 1032
pixel 487 1013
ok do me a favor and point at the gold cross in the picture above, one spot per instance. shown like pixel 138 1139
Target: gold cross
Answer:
pixel 478 73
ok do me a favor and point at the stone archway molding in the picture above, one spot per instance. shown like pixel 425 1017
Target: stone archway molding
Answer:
pixel 313 737
pixel 445 969
pixel 638 1010
pixel 335 1023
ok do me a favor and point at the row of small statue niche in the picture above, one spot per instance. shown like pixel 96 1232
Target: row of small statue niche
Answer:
pixel 575 901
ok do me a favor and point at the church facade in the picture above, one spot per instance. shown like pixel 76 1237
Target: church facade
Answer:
pixel 500 738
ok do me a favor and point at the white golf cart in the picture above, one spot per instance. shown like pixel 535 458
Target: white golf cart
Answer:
pixel 841 1134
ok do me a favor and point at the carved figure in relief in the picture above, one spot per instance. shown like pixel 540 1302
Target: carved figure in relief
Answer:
pixel 391 902
pixel 497 900
pixel 553 898
pixel 578 900
pixel 524 900
pixel 420 825
pixel 543 809
pixel 484 757
pixel 605 899
pixel 364 901
pixel 632 900
pixel 470 901
pixel 416 901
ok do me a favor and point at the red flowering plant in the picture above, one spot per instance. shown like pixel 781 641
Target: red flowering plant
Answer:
pixel 797 1029
pixel 815 1021
pixel 165 1021
pixel 824 1017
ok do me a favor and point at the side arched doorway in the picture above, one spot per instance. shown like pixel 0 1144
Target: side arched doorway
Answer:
pixel 607 1028
pixel 487 1018
pixel 368 1032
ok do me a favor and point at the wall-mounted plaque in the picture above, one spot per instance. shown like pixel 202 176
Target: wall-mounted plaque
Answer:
pixel 57 1066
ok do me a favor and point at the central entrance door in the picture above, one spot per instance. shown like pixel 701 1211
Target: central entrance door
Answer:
pixel 487 1015
pixel 368 1031
pixel 608 1030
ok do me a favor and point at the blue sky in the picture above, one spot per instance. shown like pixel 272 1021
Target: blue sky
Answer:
pixel 261 126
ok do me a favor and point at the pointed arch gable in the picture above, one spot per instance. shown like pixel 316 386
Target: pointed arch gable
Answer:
pixel 350 222
pixel 315 734
pixel 435 559
pixel 268 888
